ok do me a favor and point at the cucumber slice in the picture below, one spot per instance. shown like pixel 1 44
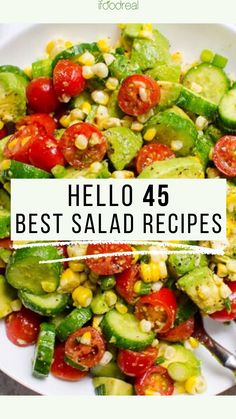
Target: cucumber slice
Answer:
pixel 46 305
pixel 42 68
pixel 8 68
pixel 112 387
pixel 74 321
pixel 109 370
pixel 181 167
pixel 4 223
pixel 212 81
pixel 76 50
pixel 123 146
pixel 44 350
pixel 170 93
pixel 192 102
pixel 227 109
pixel 174 125
pixel 179 371
pixel 18 170
pixel 25 273
pixel 123 330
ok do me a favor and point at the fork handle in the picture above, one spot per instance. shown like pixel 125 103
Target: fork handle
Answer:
pixel 225 357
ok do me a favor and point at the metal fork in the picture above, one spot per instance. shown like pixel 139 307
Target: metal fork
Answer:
pixel 226 358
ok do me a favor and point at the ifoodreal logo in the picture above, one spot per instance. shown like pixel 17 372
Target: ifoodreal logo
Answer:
pixel 118 5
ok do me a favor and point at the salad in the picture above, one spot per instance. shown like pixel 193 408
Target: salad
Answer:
pixel 130 110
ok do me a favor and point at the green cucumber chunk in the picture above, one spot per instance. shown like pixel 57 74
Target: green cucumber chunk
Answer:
pixel 46 305
pixel 72 322
pixel 179 371
pixel 123 330
pixel 12 97
pixel 123 146
pixel 180 264
pixel 44 350
pixel 18 170
pixel 211 81
pixel 112 386
pixel 180 167
pixel 42 68
pixel 171 126
pixel 227 109
pixel 99 305
pixel 75 51
pixel 4 223
pixel 194 102
pixel 25 273
pixel 109 370
pixel 7 296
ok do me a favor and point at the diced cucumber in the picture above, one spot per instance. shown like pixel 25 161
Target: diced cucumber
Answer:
pixel 109 370
pixel 7 296
pixel 44 350
pixel 72 322
pixel 42 68
pixel 112 387
pixel 46 305
pixel 227 109
pixel 123 330
pixel 183 365
pixel 4 223
pixel 18 170
pixel 181 167
pixel 193 102
pixel 25 273
pixel 219 61
pixel 76 50
pixel 99 305
pixel 172 125
pixel 123 146
pixel 211 81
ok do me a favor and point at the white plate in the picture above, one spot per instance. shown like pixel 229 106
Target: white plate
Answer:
pixel 20 45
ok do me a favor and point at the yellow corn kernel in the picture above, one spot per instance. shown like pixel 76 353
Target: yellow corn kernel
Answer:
pixel 112 83
pixel 28 72
pixel 122 174
pixel 93 277
pixel 49 47
pixel 150 134
pixel 137 287
pixel 77 115
pixel 55 46
pixel 111 298
pixel 82 296
pixel 150 392
pixel 146 34
pixel 86 59
pixel 65 121
pixel 76 250
pixel 121 308
pixel 151 272
pixel 16 305
pixel 204 292
pixel 231 266
pixel 86 107
pixel 177 57
pixel 195 385
pixel 136 126
pixel 71 280
pixel 48 286
pixel 86 338
pixel 77 266
pixel 103 45
pixel 96 322
pixel 222 270
pixel 5 164
pixel 148 27
pixel 1 125
pixel 90 285
pixel 134 256
pixel 193 342
pixel 179 388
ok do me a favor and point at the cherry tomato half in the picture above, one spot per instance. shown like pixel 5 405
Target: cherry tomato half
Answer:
pixel 151 153
pixel 22 327
pixel 109 265
pixel 224 155
pixel 224 315
pixel 68 79
pixel 181 332
pixel 125 283
pixel 138 94
pixel 155 380
pixel 85 356
pixel 18 145
pixel 3 133
pixel 159 308
pixel 83 144
pixel 39 118
pixel 41 95
pixel 135 364
pixel 45 153
pixel 62 370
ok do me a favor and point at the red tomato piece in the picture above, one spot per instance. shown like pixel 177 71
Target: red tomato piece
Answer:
pixel 224 155
pixel 125 283
pixel 151 153
pixel 62 370
pixel 224 315
pixel 138 94
pixel 22 327
pixel 83 144
pixel 68 79
pixel 39 118
pixel 181 332
pixel 3 133
pixel 155 380
pixel 45 153
pixel 18 145
pixel 85 356
pixel 41 95
pixel 109 265
pixel 159 308
pixel 6 243
pixel 135 364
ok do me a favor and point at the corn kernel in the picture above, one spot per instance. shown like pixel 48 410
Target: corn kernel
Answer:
pixel 77 114
pixel 65 121
pixel 86 338
pixel 77 266
pixel 70 280
pixel 103 45
pixel 177 57
pixel 55 46
pixel 148 27
pixel 100 97
pixel 82 296
pixel 108 58
pixel 112 83
pixel 145 325
pixel 48 286
pixel 204 292
pixel 146 34
pixel 169 352
pixel 81 142
pixel 107 357
pixel 93 277
pixel 111 122
pixel 96 167
pixel 1 125
pixel 201 122
pixel 145 116
pixel 176 145
pixel 195 385
pixel 231 266
pixel 76 250
pixel 28 72
pixel 122 174
pixel 193 342
pixel 222 270
pixel 5 165
pixel 111 298
pixel 150 134
pixel 87 72
pixel 225 291
pixel 137 126
pixel 100 70
pixel 86 59
pixel 102 111
pixel 16 305
pixel 137 287
pixel 121 308
pixel 96 322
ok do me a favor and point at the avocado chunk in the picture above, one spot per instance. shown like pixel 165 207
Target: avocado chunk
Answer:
pixel 12 97
pixel 123 146
pixel 97 170
pixel 122 67
pixel 180 167
pixel 205 289
pixel 180 264
pixel 169 94
pixel 7 296
pixel 148 53
pixel 183 364
pixel 109 370
pixel 173 126
pixel 168 71
pixel 112 387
